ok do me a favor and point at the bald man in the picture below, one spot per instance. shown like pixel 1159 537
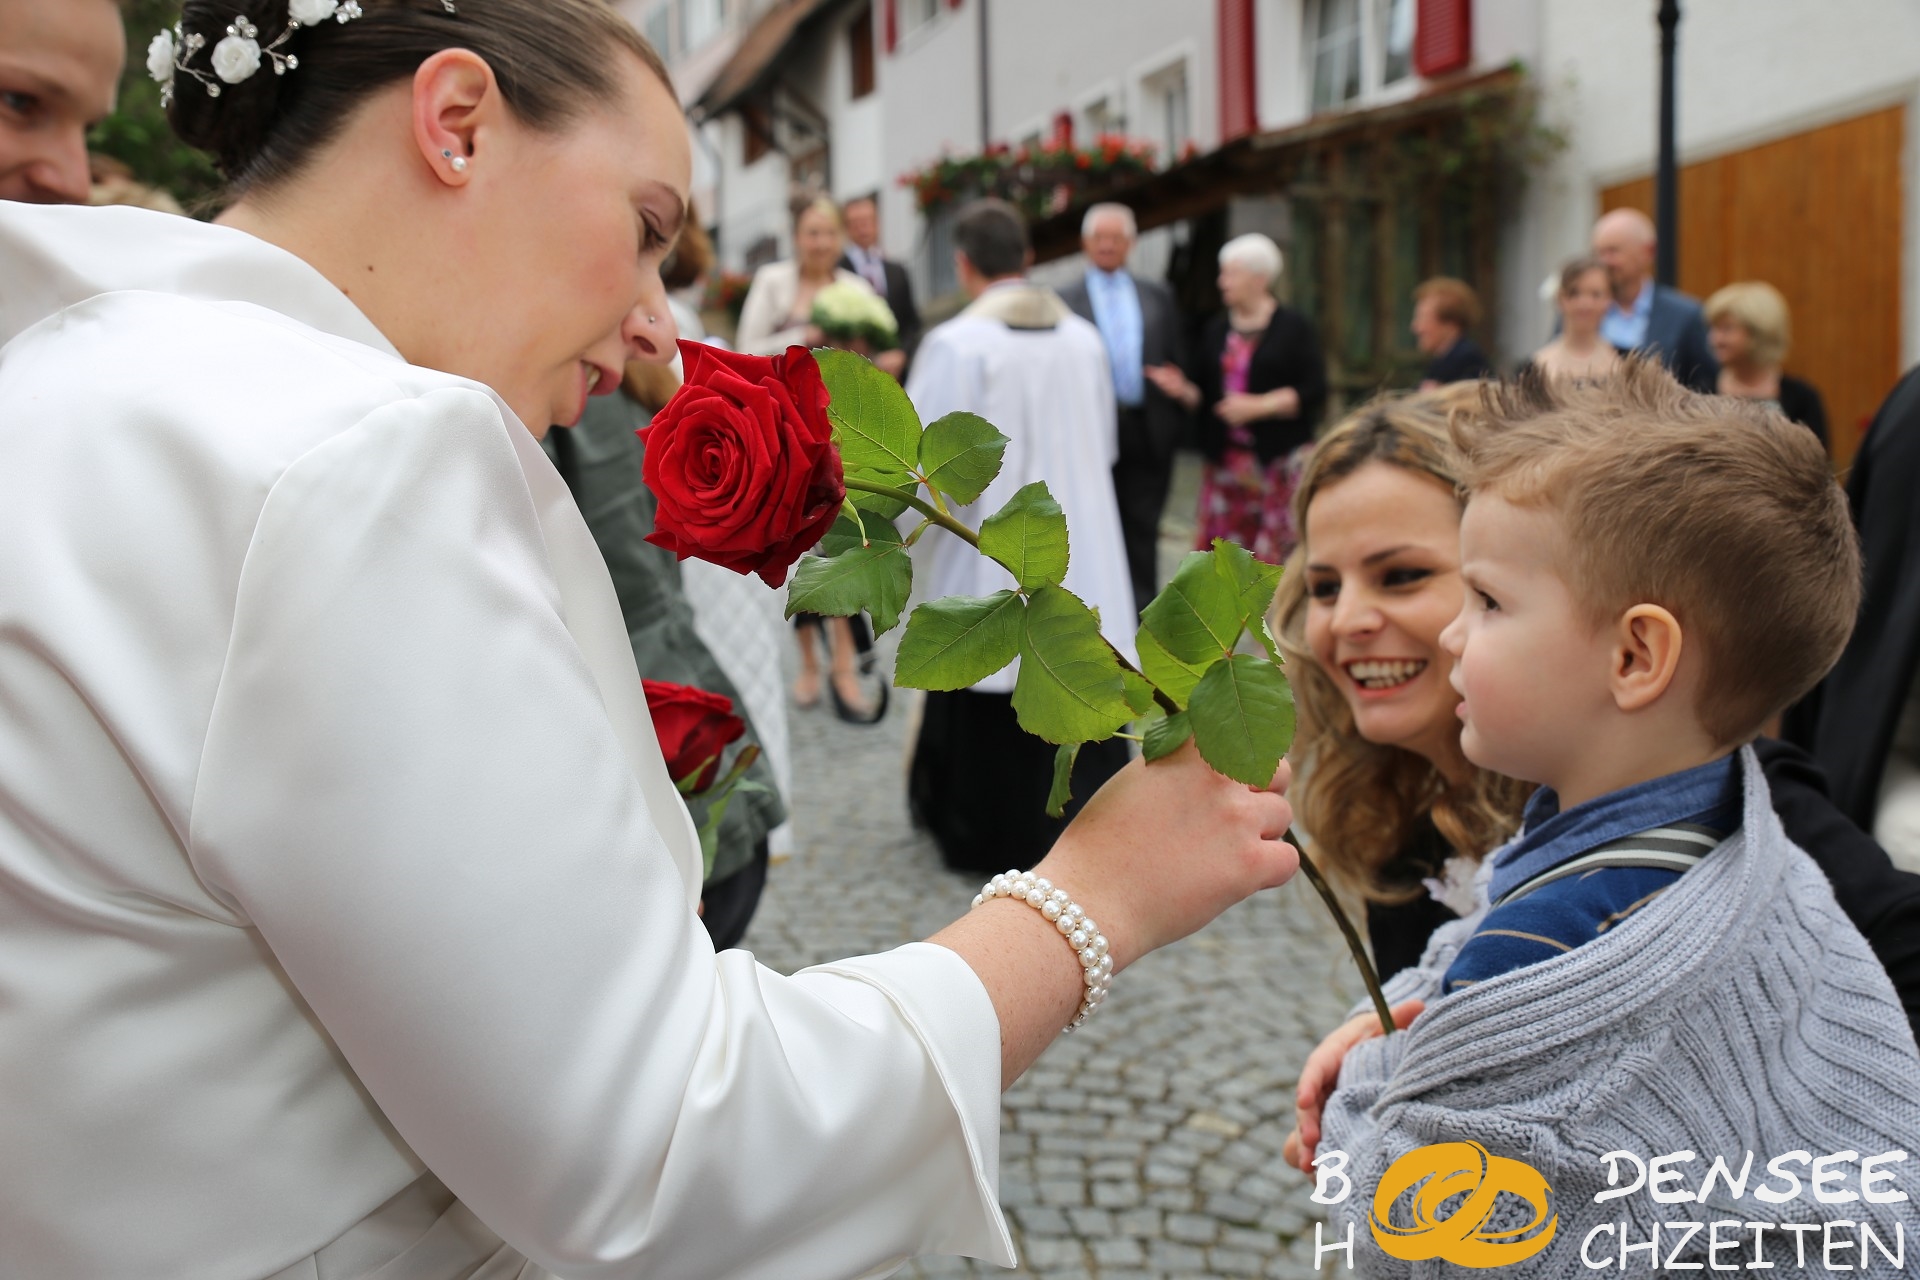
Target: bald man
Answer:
pixel 60 63
pixel 1647 317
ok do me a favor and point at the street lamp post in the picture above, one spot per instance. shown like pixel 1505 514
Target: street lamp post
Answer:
pixel 1666 178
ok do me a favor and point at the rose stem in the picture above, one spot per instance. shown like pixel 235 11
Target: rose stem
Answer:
pixel 1367 975
pixel 959 530
pixel 925 508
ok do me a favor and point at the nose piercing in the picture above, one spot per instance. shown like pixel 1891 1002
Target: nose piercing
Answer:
pixel 653 319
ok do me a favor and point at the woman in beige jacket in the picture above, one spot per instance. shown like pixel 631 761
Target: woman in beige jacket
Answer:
pixel 778 312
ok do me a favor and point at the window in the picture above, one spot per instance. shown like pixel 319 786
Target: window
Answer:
pixel 1164 100
pixel 1336 54
pixel 1104 116
pixel 1396 43
pixel 941 276
pixel 915 14
pixel 860 53
pixel 1358 47
pixel 700 22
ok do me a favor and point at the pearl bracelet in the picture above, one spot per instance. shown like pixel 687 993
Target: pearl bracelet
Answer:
pixel 1075 926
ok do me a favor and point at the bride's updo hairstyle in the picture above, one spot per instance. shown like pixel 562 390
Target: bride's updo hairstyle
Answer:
pixel 553 60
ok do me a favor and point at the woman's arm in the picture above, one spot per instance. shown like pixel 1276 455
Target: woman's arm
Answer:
pixel 1305 367
pixel 454 859
pixel 1115 862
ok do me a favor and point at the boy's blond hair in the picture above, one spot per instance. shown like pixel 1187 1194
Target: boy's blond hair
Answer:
pixel 1719 510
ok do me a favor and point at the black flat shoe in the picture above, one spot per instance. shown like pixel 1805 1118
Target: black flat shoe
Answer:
pixel 858 715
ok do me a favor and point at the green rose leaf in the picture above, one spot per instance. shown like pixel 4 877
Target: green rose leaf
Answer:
pixel 1253 582
pixel 848 532
pixel 1167 735
pixel 1196 617
pixel 960 455
pixel 1172 676
pixel 874 426
pixel 876 577
pixel 1061 792
pixel 958 641
pixel 1069 688
pixel 874 423
pixel 1242 713
pixel 1139 691
pixel 1029 537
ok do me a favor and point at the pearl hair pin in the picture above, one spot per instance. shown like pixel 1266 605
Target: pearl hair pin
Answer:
pixel 1088 943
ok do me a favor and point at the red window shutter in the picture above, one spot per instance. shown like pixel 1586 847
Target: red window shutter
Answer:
pixel 1238 113
pixel 1063 128
pixel 1443 36
pixel 953 4
pixel 890 22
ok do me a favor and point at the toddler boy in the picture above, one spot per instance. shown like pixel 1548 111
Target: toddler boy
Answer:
pixel 1651 575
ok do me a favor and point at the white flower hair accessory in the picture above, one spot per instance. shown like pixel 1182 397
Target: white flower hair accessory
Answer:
pixel 160 53
pixel 239 55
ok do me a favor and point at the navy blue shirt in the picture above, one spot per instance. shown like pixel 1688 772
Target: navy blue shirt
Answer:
pixel 1575 874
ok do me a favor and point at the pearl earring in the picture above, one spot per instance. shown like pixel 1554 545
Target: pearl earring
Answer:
pixel 459 162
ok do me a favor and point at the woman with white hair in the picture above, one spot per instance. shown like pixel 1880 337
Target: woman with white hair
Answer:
pixel 1260 382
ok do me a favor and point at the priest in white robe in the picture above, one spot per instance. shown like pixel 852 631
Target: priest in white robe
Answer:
pixel 1019 358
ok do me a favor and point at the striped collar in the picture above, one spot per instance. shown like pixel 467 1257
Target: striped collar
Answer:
pixel 1668 821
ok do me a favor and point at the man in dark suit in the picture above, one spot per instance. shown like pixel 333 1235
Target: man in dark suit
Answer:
pixel 1141 326
pixel 1649 317
pixel 1444 309
pixel 888 278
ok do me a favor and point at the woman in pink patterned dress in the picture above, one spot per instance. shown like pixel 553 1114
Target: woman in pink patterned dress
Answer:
pixel 1260 385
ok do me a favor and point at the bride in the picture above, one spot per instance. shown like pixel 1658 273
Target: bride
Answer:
pixel 346 911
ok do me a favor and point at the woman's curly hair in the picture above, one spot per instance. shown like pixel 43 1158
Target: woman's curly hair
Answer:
pixel 1360 803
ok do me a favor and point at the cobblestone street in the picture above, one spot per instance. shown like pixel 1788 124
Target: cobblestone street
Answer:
pixel 1146 1145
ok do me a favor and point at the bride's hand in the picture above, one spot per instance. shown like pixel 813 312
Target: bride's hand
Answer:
pixel 1158 852
pixel 1163 848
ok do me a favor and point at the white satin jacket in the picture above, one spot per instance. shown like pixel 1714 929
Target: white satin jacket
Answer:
pixel 340 875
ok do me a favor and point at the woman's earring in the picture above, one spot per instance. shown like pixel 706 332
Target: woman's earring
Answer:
pixel 459 162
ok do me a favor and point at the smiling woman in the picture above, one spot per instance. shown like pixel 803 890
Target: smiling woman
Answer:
pixel 1385 794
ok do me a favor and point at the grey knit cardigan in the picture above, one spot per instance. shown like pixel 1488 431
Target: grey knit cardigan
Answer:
pixel 1739 1011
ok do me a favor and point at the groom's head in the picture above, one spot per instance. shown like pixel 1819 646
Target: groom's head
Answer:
pixel 60 64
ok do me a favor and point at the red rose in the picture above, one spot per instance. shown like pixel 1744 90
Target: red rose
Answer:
pixel 742 461
pixel 694 727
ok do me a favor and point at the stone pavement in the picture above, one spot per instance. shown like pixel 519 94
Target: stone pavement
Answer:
pixel 1146 1144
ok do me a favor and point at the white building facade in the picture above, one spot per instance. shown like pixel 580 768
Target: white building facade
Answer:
pixel 1792 116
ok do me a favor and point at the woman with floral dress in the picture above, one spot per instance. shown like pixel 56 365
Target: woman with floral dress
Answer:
pixel 1260 384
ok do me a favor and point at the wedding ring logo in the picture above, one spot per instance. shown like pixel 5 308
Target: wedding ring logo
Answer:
pixel 1463 1237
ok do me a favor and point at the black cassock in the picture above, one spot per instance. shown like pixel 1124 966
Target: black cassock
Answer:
pixel 1848 723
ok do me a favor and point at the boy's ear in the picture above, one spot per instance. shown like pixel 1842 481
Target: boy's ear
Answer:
pixel 1646 656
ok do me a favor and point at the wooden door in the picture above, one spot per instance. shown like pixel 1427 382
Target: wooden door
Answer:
pixel 1818 215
